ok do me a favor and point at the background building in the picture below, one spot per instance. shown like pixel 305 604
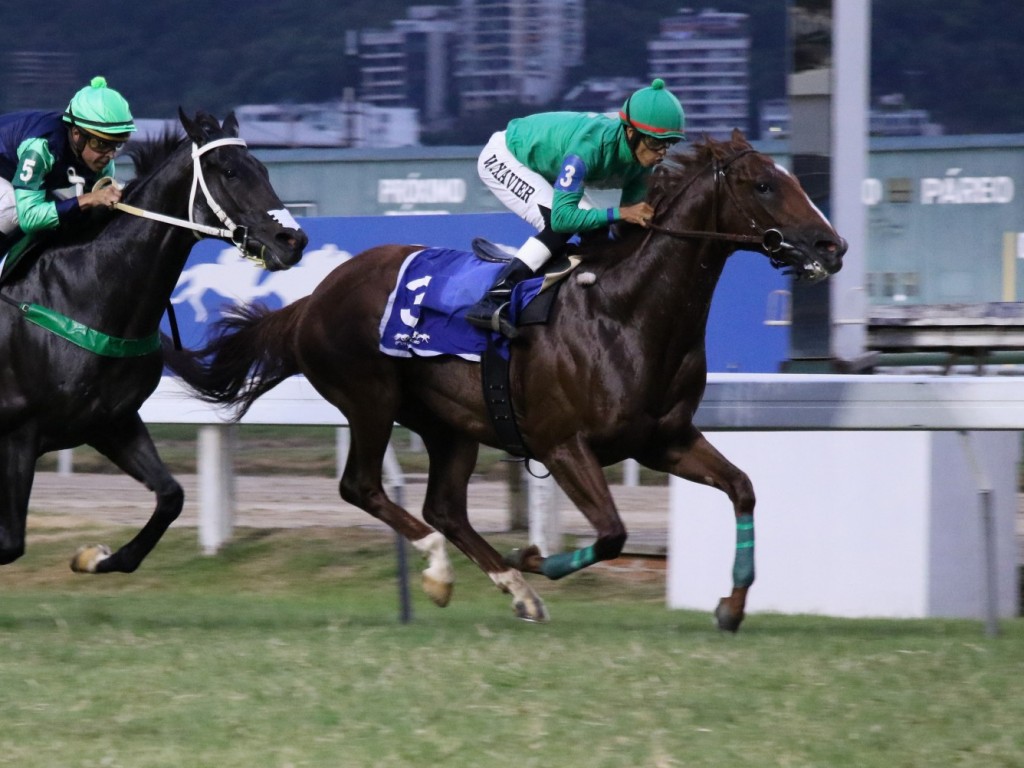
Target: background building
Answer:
pixel 704 58
pixel 412 64
pixel 889 117
pixel 597 94
pixel 517 50
pixel 346 123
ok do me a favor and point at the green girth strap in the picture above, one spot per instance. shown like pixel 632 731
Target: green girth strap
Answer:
pixel 89 338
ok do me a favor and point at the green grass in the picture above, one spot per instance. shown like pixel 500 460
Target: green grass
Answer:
pixel 286 650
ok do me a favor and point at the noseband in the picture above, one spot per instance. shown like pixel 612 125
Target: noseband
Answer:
pixel 771 240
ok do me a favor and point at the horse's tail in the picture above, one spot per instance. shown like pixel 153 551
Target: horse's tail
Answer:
pixel 248 355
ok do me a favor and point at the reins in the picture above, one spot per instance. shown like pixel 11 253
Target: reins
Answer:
pixel 771 240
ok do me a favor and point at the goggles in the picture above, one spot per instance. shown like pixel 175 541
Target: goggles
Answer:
pixel 657 145
pixel 102 146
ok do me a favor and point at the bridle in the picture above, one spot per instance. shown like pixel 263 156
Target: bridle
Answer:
pixel 237 235
pixel 771 239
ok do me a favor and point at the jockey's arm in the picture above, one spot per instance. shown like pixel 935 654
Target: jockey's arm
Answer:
pixel 566 213
pixel 37 210
pixel 568 216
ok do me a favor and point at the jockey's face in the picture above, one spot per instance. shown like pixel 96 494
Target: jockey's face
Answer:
pixel 647 150
pixel 95 151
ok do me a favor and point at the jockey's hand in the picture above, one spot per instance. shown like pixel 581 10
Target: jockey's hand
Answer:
pixel 641 214
pixel 100 198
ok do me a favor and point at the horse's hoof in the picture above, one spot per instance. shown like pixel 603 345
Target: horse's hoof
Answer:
pixel 527 560
pixel 440 592
pixel 534 612
pixel 727 620
pixel 87 558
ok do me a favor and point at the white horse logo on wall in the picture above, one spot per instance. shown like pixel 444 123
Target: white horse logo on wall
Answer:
pixel 237 281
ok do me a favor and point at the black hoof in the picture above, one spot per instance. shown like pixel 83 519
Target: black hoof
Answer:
pixel 726 619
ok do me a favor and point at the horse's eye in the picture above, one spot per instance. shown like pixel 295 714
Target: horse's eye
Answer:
pixel 229 173
pixel 763 188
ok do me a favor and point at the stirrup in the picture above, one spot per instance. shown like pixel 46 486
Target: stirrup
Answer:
pixel 500 323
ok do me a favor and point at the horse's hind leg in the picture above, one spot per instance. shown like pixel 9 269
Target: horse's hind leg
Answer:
pixel 452 459
pixel 18 459
pixel 128 444
pixel 696 460
pixel 362 485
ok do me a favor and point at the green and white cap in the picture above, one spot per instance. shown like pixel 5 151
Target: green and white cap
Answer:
pixel 100 110
pixel 655 111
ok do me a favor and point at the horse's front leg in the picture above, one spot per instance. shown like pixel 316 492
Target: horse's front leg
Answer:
pixel 695 459
pixel 579 473
pixel 127 443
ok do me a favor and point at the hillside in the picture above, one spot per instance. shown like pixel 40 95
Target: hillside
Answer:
pixel 961 59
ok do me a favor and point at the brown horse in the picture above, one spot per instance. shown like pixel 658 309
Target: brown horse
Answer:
pixel 618 371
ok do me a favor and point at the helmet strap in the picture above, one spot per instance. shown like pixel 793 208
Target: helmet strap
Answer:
pixel 77 146
pixel 633 142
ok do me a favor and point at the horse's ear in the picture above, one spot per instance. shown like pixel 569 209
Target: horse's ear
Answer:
pixel 230 126
pixel 739 139
pixel 192 129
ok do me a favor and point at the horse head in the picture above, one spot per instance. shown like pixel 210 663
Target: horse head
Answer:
pixel 232 188
pixel 748 198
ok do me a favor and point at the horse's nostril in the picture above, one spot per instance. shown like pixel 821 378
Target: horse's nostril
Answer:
pixel 292 239
pixel 830 247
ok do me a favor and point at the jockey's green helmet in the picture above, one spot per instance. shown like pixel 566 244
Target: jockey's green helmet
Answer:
pixel 100 110
pixel 655 111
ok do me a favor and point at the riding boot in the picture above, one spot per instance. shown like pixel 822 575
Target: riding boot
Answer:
pixel 490 312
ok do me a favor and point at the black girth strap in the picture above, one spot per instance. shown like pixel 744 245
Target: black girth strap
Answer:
pixel 494 375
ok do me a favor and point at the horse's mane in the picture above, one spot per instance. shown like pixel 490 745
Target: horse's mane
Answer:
pixel 147 155
pixel 681 163
pixel 675 171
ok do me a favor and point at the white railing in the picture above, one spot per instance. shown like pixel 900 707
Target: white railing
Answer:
pixel 733 402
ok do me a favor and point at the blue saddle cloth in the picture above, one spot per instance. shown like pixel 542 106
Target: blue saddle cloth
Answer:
pixel 425 314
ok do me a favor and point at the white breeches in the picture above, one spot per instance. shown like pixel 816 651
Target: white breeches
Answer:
pixel 520 188
pixel 8 211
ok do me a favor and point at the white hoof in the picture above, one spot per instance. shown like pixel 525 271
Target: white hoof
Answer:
pixel 526 604
pixel 439 576
pixel 440 592
pixel 88 557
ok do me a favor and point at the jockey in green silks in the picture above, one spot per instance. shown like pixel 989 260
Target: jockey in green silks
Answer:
pixel 540 167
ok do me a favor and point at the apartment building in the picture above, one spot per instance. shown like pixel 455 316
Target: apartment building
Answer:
pixel 704 58
pixel 412 64
pixel 517 50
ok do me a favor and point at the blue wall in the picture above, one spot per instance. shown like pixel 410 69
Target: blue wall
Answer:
pixel 738 339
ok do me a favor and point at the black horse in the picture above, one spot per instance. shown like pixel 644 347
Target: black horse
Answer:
pixel 79 322
pixel 618 371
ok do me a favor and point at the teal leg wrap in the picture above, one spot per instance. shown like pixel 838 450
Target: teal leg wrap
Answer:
pixel 743 567
pixel 564 563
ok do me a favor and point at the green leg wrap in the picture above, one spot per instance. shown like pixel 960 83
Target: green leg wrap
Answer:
pixel 743 567
pixel 564 563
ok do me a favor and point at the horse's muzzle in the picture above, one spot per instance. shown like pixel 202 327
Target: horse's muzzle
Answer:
pixel 812 261
pixel 280 251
